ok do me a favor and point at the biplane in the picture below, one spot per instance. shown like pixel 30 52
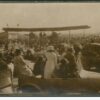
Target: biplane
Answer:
pixel 51 29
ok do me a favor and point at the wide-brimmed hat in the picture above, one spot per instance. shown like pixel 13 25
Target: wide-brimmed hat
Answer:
pixel 78 47
pixel 50 48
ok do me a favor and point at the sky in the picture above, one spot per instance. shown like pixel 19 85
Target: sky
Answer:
pixel 33 15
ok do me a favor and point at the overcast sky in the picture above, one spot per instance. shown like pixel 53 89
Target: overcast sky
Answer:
pixel 50 15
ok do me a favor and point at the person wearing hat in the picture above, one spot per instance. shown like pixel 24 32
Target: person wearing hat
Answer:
pixel 51 62
pixel 78 56
pixel 81 71
pixel 72 65
pixel 5 78
pixel 9 61
pixel 21 68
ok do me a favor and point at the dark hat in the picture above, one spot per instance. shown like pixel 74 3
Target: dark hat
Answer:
pixel 17 52
pixel 77 46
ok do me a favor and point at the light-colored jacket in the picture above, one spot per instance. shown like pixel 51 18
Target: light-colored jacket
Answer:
pixel 50 64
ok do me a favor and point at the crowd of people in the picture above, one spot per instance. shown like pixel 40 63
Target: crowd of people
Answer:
pixel 48 62
pixel 48 58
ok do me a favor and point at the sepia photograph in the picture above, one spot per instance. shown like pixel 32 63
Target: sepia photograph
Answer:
pixel 49 49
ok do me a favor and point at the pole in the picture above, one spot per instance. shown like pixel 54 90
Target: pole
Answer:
pixel 28 39
pixel 17 32
pixel 84 33
pixel 7 32
pixel 69 37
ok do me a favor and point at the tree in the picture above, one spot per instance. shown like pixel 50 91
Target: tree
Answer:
pixel 32 35
pixel 54 38
pixel 32 38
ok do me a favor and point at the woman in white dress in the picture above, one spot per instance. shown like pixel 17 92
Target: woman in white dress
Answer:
pixel 51 62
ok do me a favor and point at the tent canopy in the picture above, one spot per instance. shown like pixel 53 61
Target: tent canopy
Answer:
pixel 46 29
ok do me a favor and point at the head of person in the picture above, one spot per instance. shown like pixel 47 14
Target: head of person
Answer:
pixel 18 52
pixel 62 48
pixel 77 48
pixel 28 52
pixel 50 48
pixel 9 59
pixel 70 49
